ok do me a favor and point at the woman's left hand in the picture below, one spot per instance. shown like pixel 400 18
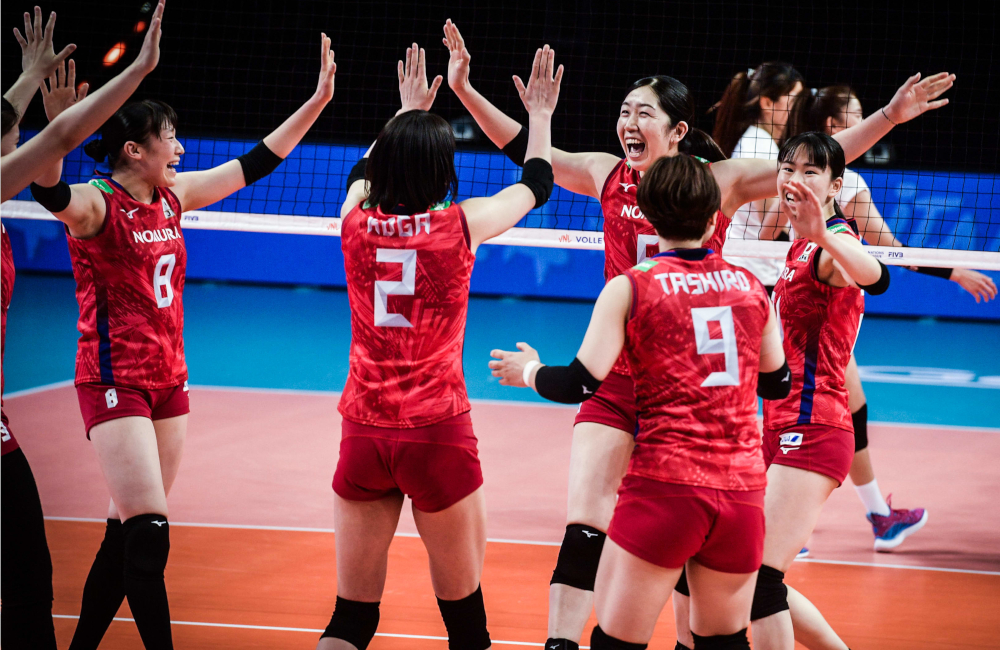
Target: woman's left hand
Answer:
pixel 413 90
pixel 804 210
pixel 327 70
pixel 917 96
pixel 61 93
pixel 980 285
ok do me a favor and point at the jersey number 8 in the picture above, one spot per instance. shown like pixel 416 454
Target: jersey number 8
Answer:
pixel 163 291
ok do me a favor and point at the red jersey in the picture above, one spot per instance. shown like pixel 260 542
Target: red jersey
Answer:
pixel 7 441
pixel 628 237
pixel 819 326
pixel 693 345
pixel 408 286
pixel 129 284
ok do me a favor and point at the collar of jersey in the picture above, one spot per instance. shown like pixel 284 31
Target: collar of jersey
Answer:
pixel 689 254
pixel 107 177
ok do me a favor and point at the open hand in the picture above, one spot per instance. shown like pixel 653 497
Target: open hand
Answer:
pixel 38 57
pixel 980 285
pixel 458 63
pixel 803 209
pixel 149 55
pixel 916 97
pixel 542 92
pixel 327 70
pixel 510 365
pixel 61 93
pixel 413 90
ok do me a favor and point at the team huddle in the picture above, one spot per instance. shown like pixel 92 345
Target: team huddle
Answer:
pixel 671 480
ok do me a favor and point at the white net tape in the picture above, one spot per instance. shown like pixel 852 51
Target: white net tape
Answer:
pixel 540 237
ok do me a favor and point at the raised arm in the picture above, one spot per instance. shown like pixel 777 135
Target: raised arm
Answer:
pixel 601 346
pixel 72 127
pixel 38 59
pixel 583 173
pixel 198 189
pixel 493 215
pixel 747 179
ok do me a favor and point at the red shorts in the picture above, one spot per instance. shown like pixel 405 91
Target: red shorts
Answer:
pixel 818 448
pixel 613 404
pixel 667 524
pixel 101 403
pixel 436 466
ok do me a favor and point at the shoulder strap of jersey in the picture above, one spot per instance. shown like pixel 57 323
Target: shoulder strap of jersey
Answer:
pixel 611 177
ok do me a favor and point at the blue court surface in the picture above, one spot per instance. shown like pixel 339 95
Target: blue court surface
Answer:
pixel 919 371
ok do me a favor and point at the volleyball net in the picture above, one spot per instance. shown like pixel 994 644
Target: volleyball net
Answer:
pixel 233 74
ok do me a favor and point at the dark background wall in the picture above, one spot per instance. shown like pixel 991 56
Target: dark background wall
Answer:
pixel 237 68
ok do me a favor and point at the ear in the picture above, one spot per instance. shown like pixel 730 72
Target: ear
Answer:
pixel 711 229
pixel 132 150
pixel 829 125
pixel 680 131
pixel 766 103
pixel 835 187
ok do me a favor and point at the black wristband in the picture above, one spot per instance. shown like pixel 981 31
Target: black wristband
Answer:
pixel 357 173
pixel 881 285
pixel 944 274
pixel 537 176
pixel 53 199
pixel 258 163
pixel 775 385
pixel 517 148
pixel 570 384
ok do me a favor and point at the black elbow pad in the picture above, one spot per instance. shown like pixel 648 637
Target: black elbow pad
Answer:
pixel 357 173
pixel 258 163
pixel 570 384
pixel 538 178
pixel 881 285
pixel 517 148
pixel 54 199
pixel 775 385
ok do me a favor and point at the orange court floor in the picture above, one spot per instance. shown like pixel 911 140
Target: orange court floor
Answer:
pixel 252 560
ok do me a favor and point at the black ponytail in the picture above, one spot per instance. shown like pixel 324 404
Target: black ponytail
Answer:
pixel 812 107
pixel 700 144
pixel 95 149
pixel 135 122
pixel 739 107
pixel 676 101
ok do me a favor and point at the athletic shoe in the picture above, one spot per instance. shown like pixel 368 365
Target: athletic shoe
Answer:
pixel 803 553
pixel 890 530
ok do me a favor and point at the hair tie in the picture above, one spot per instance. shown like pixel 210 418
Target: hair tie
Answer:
pixel 750 72
pixel 813 91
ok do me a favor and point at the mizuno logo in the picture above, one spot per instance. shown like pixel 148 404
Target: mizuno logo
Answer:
pixel 788 376
pixel 625 186
pixel 587 392
pixel 129 213
pixel 790 441
pixel 158 523
pixel 589 534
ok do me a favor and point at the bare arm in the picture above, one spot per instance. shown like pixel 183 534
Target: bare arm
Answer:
pixel 198 189
pixel 67 131
pixel 772 355
pixel 601 345
pixel 872 226
pixel 582 173
pixel 38 59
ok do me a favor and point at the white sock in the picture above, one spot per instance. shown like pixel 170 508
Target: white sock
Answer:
pixel 871 496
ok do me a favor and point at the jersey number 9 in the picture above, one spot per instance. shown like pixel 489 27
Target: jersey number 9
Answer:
pixel 701 317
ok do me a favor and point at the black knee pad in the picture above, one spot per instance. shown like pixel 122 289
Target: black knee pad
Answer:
pixel 682 584
pixel 736 641
pixel 681 646
pixel 147 545
pixel 465 621
pixel 770 595
pixel 860 419
pixel 579 556
pixel 354 622
pixel 601 641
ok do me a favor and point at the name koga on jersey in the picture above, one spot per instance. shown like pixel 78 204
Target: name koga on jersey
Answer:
pixel 150 236
pixel 400 225
pixel 698 283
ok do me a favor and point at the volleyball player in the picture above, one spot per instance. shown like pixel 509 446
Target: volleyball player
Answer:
pixel 653 122
pixel 408 252
pixel 698 332
pixel 750 122
pixel 129 261
pixel 831 110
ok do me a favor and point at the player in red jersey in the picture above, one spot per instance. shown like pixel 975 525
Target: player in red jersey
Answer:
pixel 408 256
pixel 808 436
pixel 697 331
pixel 129 259
pixel 654 121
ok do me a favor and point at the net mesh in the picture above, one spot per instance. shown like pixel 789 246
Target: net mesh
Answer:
pixel 234 72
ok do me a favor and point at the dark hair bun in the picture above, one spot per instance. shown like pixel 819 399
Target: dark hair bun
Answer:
pixel 95 149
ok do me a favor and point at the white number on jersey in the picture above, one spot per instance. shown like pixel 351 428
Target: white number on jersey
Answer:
pixel 386 288
pixel 642 244
pixel 701 317
pixel 162 289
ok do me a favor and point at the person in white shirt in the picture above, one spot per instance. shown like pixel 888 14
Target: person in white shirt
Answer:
pixel 750 122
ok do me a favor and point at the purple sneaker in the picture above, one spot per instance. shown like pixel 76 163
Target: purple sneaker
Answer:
pixel 890 530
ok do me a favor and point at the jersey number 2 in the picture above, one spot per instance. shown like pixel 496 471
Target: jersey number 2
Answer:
pixel 162 289
pixel 386 288
pixel 701 317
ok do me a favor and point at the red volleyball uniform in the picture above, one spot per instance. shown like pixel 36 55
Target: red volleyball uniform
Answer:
pixel 7 441
pixel 408 286
pixel 695 483
pixel 129 284
pixel 812 427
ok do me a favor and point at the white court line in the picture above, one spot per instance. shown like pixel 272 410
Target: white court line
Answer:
pixel 39 389
pixel 877 565
pixel 274 628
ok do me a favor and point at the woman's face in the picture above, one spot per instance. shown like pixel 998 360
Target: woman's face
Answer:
pixel 774 112
pixel 9 142
pixel 851 116
pixel 645 131
pixel 156 160
pixel 815 178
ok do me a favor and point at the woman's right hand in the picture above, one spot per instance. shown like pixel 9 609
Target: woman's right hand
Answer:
pixel 61 93
pixel 149 55
pixel 413 90
pixel 458 63
pixel 38 58
pixel 541 94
